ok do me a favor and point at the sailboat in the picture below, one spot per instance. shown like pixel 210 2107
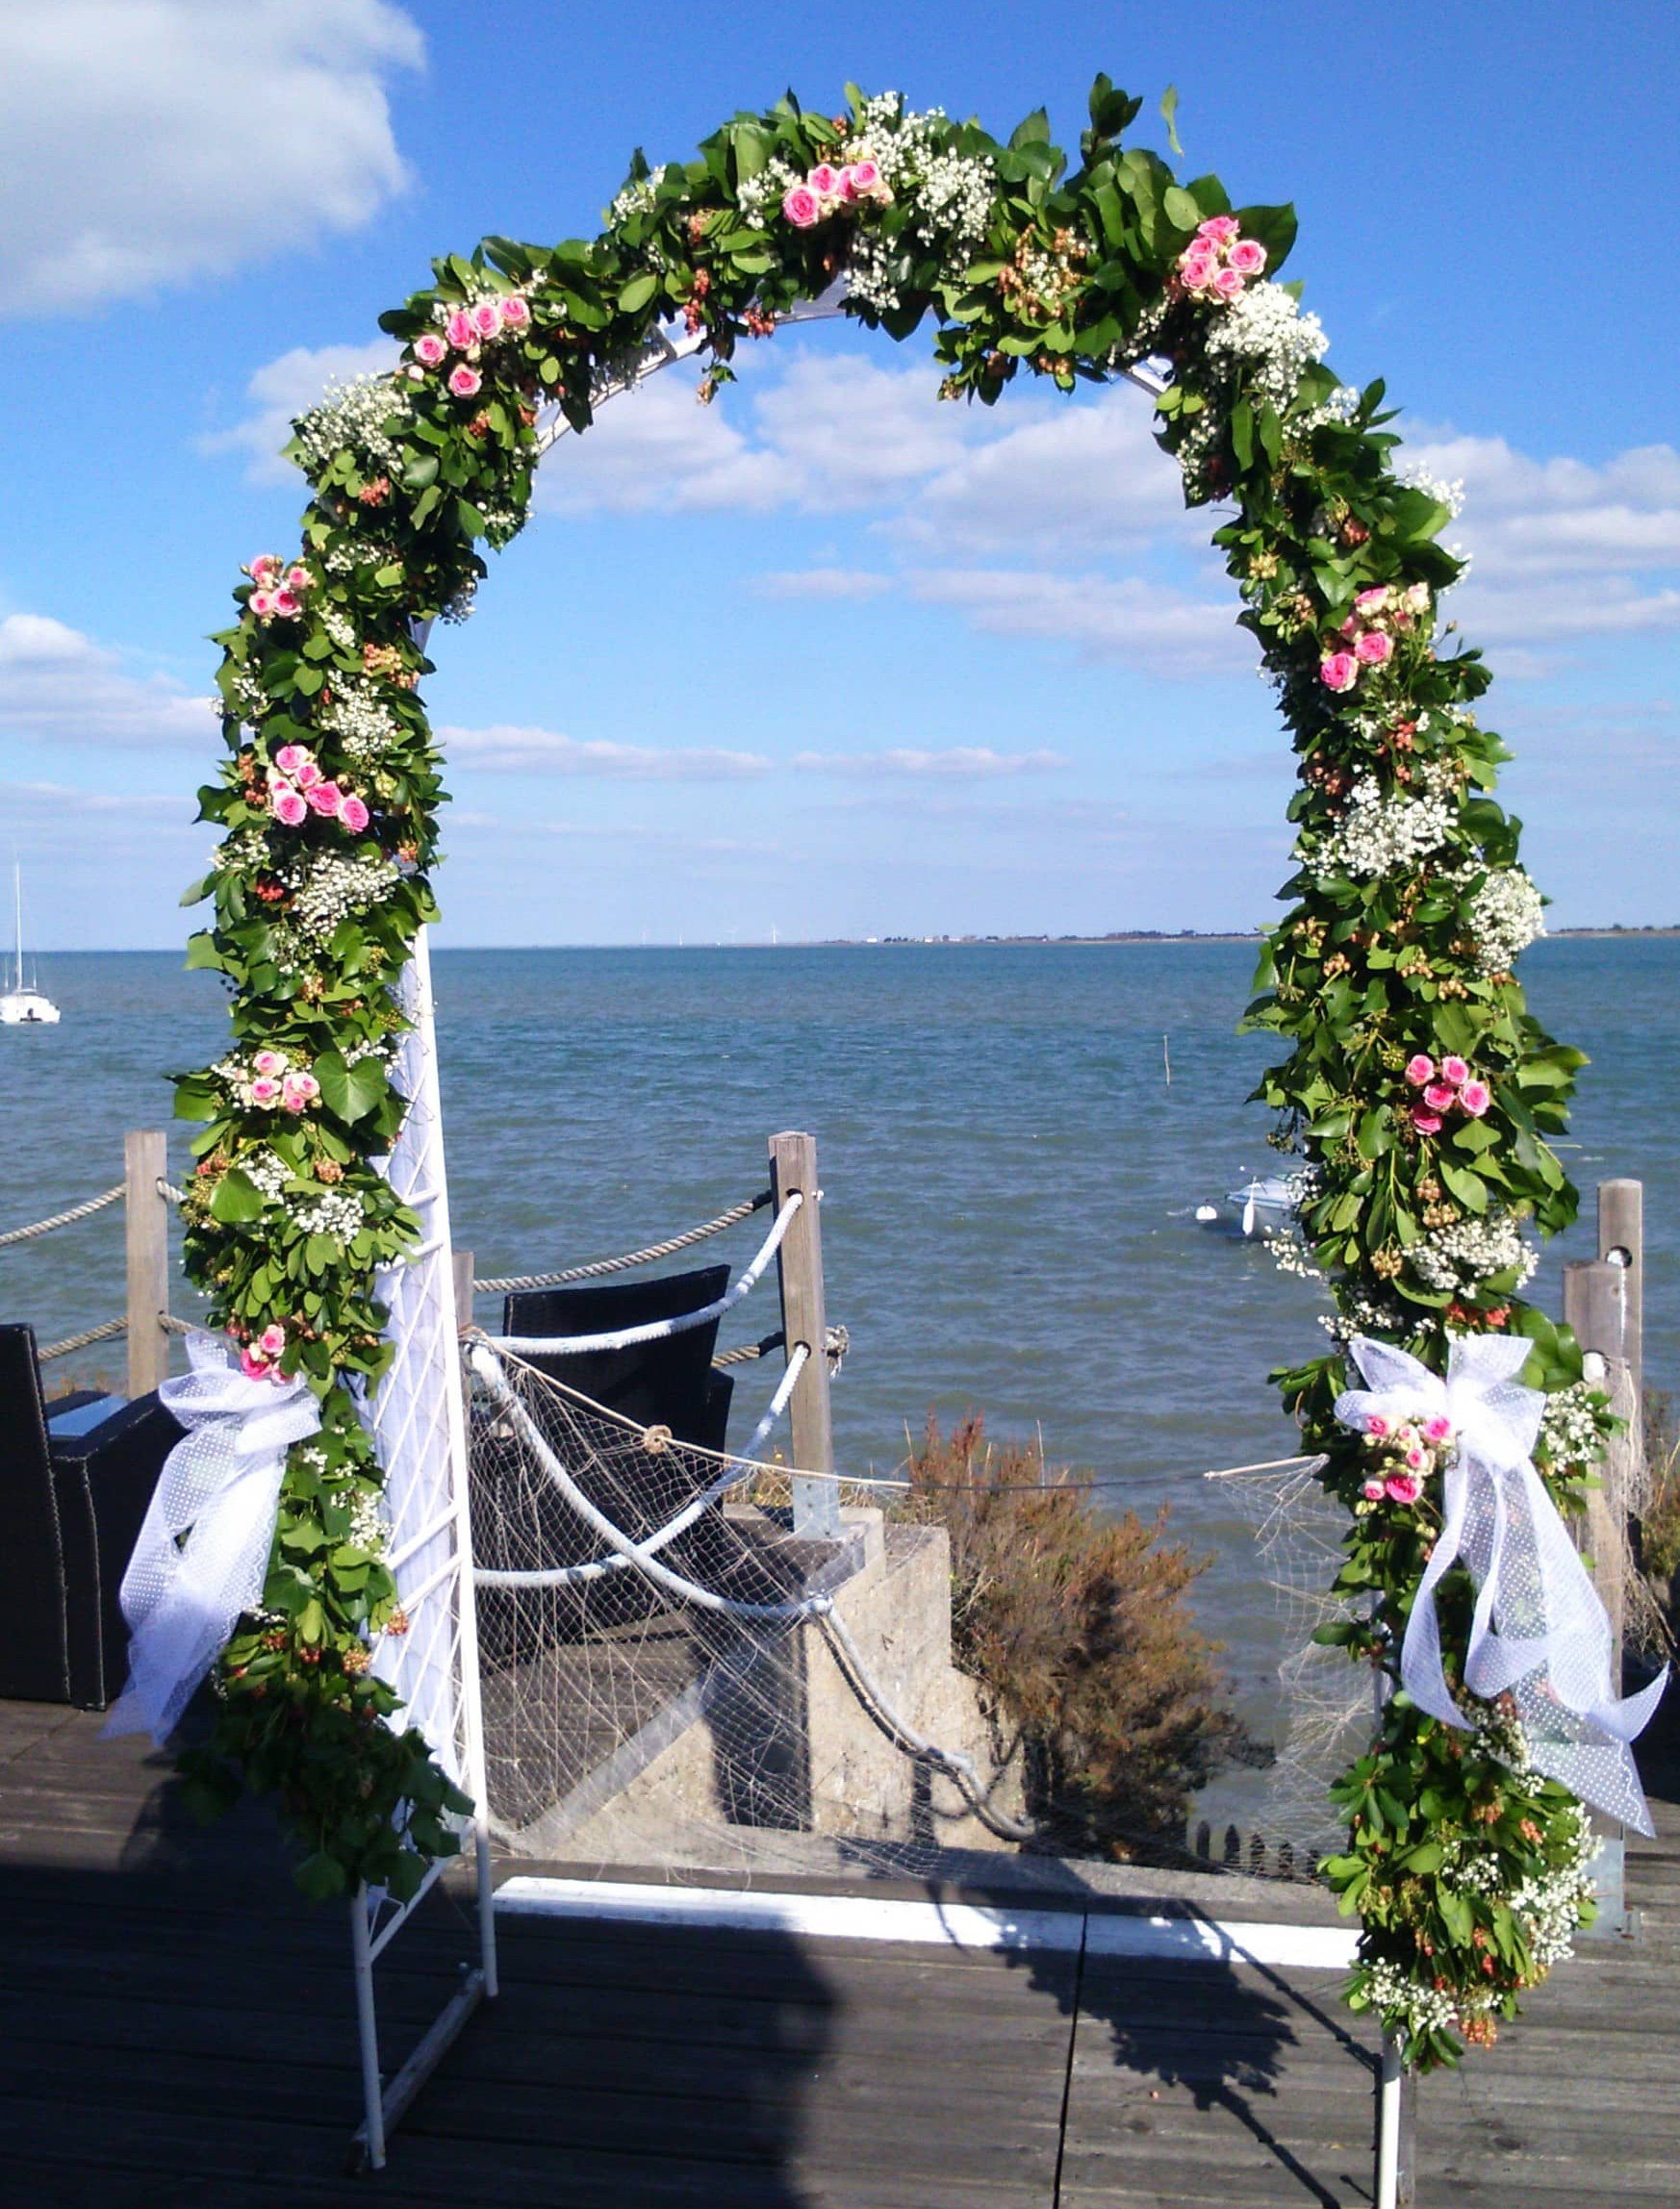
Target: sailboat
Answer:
pixel 24 1005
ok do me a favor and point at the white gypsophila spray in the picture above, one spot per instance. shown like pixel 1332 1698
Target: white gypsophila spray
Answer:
pixel 355 416
pixel 1265 329
pixel 364 727
pixel 327 889
pixel 337 1214
pixel 1455 1259
pixel 760 197
pixel 267 1170
pixel 1570 1430
pixel 1376 834
pixel 636 198
pixel 949 196
pixel 1506 915
pixel 1416 477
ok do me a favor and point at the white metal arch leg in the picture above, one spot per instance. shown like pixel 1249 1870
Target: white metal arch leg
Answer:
pixel 419 1425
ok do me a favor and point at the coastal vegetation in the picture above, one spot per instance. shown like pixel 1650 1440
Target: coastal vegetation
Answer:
pixel 1077 1626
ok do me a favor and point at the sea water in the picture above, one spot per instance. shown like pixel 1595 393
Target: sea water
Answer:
pixel 1009 1178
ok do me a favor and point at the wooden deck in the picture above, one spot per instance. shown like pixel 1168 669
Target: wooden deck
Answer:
pixel 176 2028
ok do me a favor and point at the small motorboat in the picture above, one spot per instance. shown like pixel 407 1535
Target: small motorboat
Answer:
pixel 1267 1202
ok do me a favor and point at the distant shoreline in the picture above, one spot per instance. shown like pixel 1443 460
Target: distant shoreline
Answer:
pixel 1122 938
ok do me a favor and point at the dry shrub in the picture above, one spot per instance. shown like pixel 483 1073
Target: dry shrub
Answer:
pixel 1075 1624
pixel 1660 1521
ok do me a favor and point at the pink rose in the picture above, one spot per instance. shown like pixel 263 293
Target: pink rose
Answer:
pixel 1403 1488
pixel 264 567
pixel 291 758
pixel 1374 1492
pixel 825 181
pixel 1420 1070
pixel 1373 601
pixel 1197 269
pixel 1248 257
pixel 1455 1071
pixel 353 814
pixel 253 1367
pixel 1339 672
pixel 486 318
pixel 430 348
pixel 1475 1096
pixel 286 603
pixel 1376 1425
pixel 1373 649
pixel 324 797
pixel 463 381
pixel 800 207
pixel 1414 1458
pixel 1438 1429
pixel 272 1339
pixel 263 1091
pixel 1441 1096
pixel 288 805
pixel 460 330
pixel 1220 228
pixel 1227 282
pixel 269 1063
pixel 860 180
pixel 262 604
pixel 297 1090
pixel 1426 1122
pixel 300 578
pixel 308 774
pixel 515 313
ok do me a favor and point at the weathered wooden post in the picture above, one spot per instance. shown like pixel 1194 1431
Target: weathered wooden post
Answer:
pixel 461 1275
pixel 816 1503
pixel 1621 1243
pixel 146 1210
pixel 1601 1302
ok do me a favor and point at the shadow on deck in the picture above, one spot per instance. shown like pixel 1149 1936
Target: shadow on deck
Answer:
pixel 176 2028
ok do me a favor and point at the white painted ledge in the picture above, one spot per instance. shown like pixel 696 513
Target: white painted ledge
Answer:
pixel 949 1925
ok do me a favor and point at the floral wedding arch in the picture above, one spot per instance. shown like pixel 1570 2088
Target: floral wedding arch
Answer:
pixel 1419 1092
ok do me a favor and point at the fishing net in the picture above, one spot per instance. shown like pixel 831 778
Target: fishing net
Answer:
pixel 674 1674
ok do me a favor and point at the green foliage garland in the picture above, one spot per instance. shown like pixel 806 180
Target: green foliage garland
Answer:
pixel 1407 904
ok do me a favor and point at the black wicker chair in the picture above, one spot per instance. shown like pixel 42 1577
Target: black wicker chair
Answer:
pixel 73 1491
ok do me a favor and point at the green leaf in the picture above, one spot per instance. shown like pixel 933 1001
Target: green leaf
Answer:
pixel 1179 208
pixel 349 1092
pixel 1468 1188
pixel 238 1200
pixel 637 292
pixel 1169 110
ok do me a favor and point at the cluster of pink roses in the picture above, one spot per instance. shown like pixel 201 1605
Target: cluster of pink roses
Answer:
pixel 279 592
pixel 1367 632
pixel 1450 1087
pixel 467 331
pixel 1407 1452
pixel 259 1359
pixel 297 788
pixel 275 1083
pixel 1219 261
pixel 827 189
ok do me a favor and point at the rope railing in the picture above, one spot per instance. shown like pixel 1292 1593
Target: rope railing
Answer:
pixel 169 1193
pixel 658 1329
pixel 512 1284
pixel 105 1332
pixel 749 1351
pixel 64 1219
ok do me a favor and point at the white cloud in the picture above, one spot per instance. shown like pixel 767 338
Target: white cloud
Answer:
pixel 148 143
pixel 509 747
pixel 976 763
pixel 60 686
pixel 823 583
pixel 653 449
pixel 285 388
pixel 1144 624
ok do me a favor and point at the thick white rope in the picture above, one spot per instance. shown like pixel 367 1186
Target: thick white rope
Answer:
pixel 62 1219
pixel 657 1330
pixel 488 1367
pixel 960 1768
pixel 503 1284
pixel 577 1575
pixel 105 1332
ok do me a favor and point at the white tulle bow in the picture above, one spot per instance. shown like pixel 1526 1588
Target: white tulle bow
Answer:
pixel 1538 1631
pixel 202 1555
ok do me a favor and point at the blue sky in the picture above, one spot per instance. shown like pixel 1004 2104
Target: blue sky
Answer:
pixel 827 658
